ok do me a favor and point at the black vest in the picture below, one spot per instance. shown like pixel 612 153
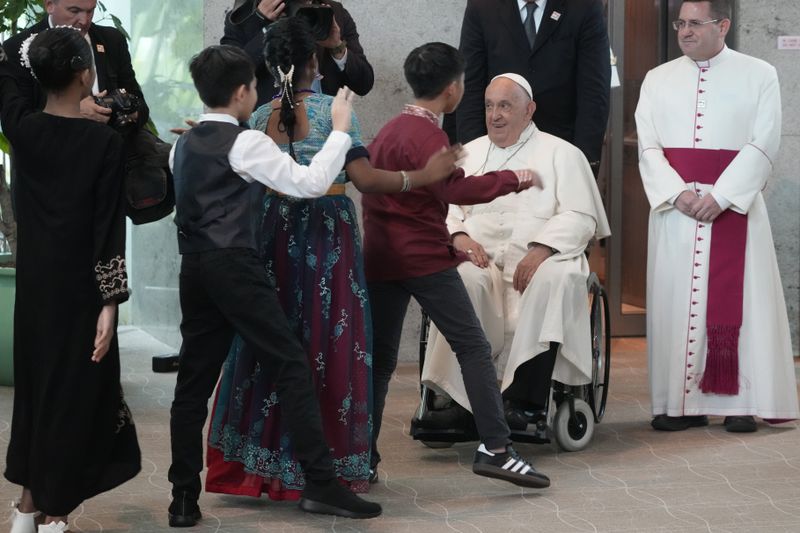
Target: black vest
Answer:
pixel 214 207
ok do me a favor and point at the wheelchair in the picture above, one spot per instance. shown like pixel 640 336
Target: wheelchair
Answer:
pixel 572 411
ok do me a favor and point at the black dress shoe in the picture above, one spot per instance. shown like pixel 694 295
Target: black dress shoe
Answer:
pixel 453 417
pixel 373 475
pixel 330 497
pixel 184 511
pixel 740 424
pixel 678 423
pixel 516 419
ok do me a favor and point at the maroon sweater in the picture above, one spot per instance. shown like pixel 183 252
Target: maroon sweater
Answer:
pixel 405 234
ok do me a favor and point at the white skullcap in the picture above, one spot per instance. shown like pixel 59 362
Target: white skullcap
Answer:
pixel 519 80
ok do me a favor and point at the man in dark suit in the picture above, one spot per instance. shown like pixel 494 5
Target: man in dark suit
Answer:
pixel 341 58
pixel 563 52
pixel 111 58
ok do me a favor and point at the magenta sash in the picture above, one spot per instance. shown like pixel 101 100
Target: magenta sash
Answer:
pixel 725 271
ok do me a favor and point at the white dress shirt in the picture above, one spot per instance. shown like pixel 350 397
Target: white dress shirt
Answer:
pixel 256 157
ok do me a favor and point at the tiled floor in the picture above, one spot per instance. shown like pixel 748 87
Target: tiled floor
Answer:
pixel 629 479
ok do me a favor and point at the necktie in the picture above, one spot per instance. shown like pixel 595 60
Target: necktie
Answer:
pixel 530 23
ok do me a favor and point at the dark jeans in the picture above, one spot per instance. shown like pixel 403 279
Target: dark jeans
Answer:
pixel 222 292
pixel 444 298
pixel 532 380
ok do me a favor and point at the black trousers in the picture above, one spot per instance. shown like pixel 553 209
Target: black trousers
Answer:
pixel 532 379
pixel 444 297
pixel 222 292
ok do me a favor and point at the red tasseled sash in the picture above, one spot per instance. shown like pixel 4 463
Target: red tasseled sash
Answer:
pixel 725 271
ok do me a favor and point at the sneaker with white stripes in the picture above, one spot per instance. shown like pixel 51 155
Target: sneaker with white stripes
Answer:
pixel 508 466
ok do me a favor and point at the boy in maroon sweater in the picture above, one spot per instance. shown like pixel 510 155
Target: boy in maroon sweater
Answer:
pixel 407 252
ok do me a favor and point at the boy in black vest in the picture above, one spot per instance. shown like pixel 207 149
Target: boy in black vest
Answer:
pixel 220 170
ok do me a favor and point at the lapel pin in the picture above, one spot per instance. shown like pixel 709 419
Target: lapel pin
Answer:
pixel 555 16
pixel 101 49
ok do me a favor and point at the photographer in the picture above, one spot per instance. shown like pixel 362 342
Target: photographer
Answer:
pixel 341 58
pixel 111 58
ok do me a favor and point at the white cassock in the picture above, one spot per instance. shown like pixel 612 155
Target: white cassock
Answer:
pixel 731 102
pixel 565 214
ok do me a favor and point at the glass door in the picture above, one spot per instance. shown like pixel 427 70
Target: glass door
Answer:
pixel 639 35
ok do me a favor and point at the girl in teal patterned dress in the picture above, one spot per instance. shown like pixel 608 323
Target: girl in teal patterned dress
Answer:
pixel 312 253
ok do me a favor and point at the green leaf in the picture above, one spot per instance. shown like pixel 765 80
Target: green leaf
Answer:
pixel 5 146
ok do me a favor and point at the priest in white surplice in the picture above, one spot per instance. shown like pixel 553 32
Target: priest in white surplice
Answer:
pixel 709 125
pixel 527 269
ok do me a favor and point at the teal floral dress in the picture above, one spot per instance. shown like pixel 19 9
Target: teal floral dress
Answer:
pixel 312 253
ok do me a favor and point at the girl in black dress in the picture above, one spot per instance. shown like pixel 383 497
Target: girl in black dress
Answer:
pixel 72 435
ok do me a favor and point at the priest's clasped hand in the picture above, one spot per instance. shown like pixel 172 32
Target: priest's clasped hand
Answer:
pixel 702 209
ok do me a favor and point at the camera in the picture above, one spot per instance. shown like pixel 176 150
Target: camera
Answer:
pixel 318 14
pixel 122 105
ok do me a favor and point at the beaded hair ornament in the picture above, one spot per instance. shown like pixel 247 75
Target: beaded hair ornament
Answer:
pixel 76 63
pixel 287 89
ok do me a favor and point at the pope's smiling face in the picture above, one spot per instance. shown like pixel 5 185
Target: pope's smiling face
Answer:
pixel 701 42
pixel 509 110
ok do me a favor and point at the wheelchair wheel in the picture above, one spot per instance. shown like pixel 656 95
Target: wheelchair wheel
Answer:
pixel 573 434
pixel 597 390
pixel 436 445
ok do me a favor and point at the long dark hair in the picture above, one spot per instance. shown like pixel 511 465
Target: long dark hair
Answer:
pixel 56 56
pixel 289 47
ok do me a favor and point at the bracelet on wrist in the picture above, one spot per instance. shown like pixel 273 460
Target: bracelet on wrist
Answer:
pixel 406 181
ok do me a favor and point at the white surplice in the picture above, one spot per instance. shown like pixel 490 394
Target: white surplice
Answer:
pixel 565 214
pixel 731 102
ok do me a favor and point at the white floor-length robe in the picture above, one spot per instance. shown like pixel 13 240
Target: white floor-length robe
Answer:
pixel 731 102
pixel 565 214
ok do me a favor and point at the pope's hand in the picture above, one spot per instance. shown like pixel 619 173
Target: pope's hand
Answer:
pixel 464 243
pixel 529 265
pixel 527 179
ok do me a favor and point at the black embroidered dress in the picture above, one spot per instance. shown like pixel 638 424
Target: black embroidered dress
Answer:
pixel 72 435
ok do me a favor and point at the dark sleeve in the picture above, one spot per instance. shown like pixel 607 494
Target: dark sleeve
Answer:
pixel 593 83
pixel 356 152
pixel 459 189
pixel 17 92
pixel 357 74
pixel 470 117
pixel 126 77
pixel 109 226
pixel 14 104
pixel 249 36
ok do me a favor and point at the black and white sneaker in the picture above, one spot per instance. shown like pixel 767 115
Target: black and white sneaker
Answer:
pixel 508 466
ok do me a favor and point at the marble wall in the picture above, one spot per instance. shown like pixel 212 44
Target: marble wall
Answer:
pixel 760 24
pixel 388 31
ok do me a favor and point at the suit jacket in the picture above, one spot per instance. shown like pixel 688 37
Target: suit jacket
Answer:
pixel 568 67
pixel 357 73
pixel 112 61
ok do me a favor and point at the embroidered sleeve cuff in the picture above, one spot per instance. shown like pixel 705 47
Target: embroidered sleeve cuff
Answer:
pixel 112 279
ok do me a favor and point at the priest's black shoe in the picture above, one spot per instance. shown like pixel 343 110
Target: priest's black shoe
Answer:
pixel 740 424
pixel 184 511
pixel 373 475
pixel 330 497
pixel 678 423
